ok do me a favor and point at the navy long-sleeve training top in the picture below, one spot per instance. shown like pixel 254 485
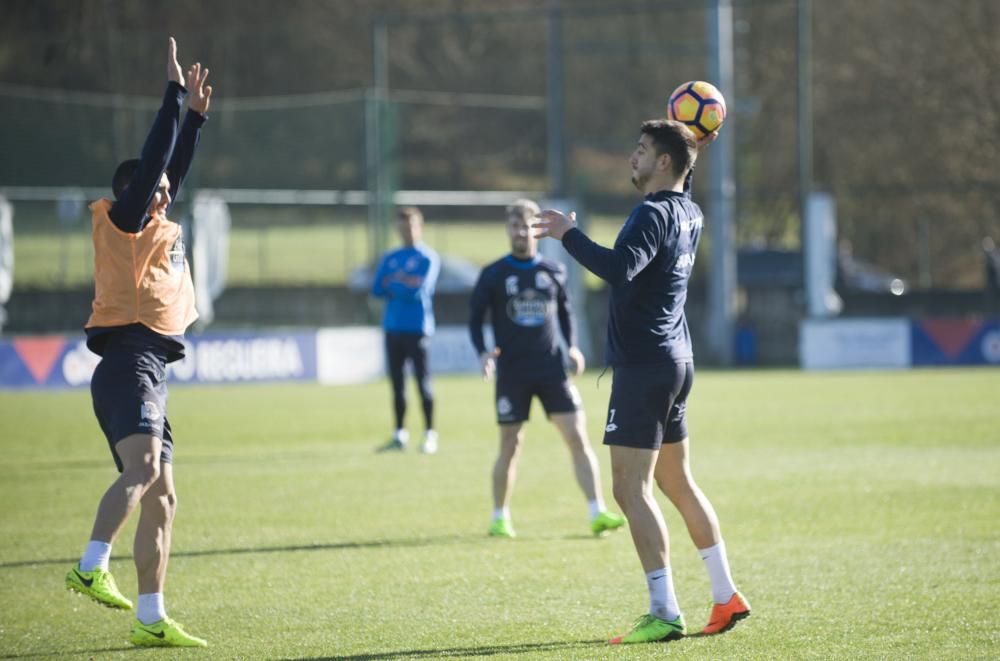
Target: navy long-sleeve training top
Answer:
pixel 525 299
pixel 648 269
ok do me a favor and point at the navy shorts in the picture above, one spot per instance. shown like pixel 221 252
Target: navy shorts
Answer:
pixel 648 405
pixel 513 397
pixel 129 393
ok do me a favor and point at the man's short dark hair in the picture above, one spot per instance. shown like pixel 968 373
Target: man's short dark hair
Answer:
pixel 674 139
pixel 123 175
pixel 406 213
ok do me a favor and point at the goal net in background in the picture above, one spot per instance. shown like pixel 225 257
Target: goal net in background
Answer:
pixel 310 179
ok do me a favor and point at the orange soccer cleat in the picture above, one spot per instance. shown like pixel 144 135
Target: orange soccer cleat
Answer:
pixel 724 616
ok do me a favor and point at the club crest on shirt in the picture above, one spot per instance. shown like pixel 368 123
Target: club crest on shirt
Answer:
pixel 510 285
pixel 542 280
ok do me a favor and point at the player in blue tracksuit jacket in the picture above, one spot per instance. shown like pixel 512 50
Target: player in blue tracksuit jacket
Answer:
pixel 650 349
pixel 405 278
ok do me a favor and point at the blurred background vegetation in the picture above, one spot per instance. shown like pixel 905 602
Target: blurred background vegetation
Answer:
pixel 906 103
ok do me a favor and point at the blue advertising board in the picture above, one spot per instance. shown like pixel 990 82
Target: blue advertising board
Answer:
pixel 955 342
pixel 213 358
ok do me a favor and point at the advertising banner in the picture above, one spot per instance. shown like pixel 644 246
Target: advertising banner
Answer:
pixel 59 361
pixel 956 342
pixel 854 343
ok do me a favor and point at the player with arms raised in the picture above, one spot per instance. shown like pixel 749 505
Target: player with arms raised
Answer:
pixel 649 347
pixel 143 303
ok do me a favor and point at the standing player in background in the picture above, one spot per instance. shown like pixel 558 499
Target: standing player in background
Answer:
pixel 649 347
pixel 143 303
pixel 525 296
pixel 406 278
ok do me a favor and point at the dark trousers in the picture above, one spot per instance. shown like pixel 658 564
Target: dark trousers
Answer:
pixel 402 347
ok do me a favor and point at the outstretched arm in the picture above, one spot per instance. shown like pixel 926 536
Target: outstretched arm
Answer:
pixel 129 210
pixel 190 134
pixel 636 246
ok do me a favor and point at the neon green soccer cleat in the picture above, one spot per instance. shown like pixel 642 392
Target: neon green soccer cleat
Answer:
pixel 502 528
pixel 605 522
pixel 99 585
pixel 164 633
pixel 649 629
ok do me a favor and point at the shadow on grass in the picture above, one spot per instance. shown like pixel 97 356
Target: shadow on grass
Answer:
pixel 462 652
pixel 288 456
pixel 103 650
pixel 293 548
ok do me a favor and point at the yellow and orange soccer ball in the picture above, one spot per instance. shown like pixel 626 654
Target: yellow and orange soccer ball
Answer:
pixel 699 105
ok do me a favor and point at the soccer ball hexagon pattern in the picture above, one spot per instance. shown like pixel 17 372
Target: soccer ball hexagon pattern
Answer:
pixel 699 105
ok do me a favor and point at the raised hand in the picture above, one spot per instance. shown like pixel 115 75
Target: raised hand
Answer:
pixel 705 141
pixel 200 93
pixel 554 224
pixel 173 68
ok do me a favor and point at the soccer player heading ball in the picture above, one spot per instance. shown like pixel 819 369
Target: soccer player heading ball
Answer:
pixel 649 348
pixel 526 297
pixel 143 303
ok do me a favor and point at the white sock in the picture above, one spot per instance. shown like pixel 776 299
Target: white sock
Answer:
pixel 150 608
pixel 662 599
pixel 596 507
pixel 501 513
pixel 96 556
pixel 717 565
pixel 401 435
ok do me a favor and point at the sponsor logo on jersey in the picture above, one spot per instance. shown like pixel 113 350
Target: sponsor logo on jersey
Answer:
pixel 686 260
pixel 529 308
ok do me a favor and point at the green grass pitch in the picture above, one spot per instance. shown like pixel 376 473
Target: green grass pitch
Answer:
pixel 861 513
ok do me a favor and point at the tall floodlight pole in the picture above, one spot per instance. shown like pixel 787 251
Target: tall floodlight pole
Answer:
pixel 722 274
pixel 556 156
pixel 805 153
pixel 376 101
